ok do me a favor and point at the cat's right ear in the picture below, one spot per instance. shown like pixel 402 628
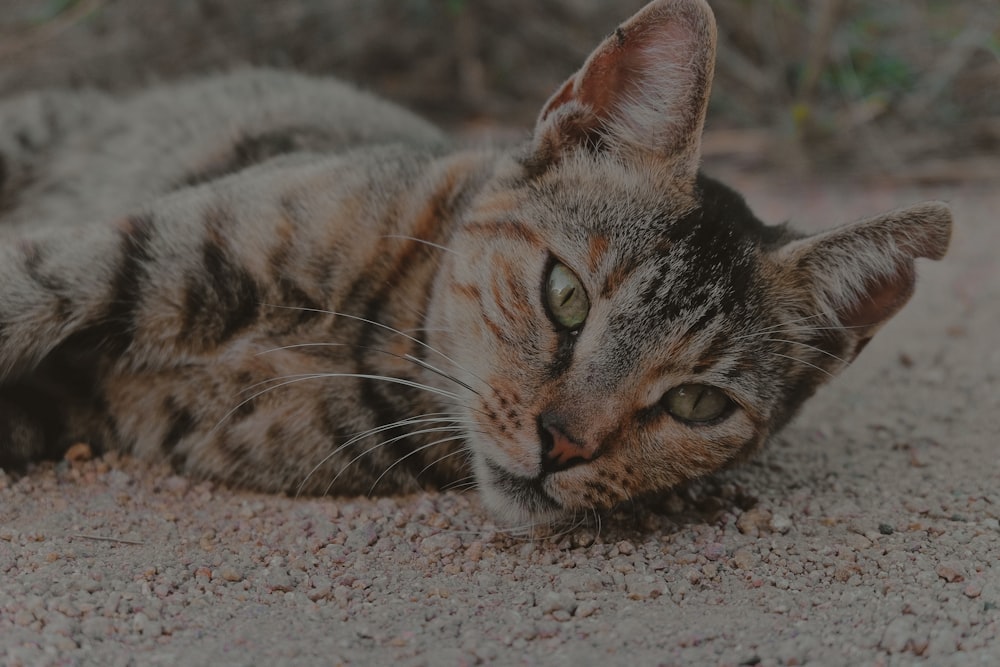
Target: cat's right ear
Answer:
pixel 643 91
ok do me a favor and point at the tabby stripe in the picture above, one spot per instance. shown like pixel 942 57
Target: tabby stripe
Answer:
pixel 331 423
pixel 471 292
pixel 238 452
pixel 34 257
pixel 497 330
pixel 597 249
pixel 563 357
pixel 509 315
pixel 181 424
pixel 301 307
pixel 616 278
pixel 252 149
pixel 375 395
pixel 235 288
pixel 116 329
pixel 222 301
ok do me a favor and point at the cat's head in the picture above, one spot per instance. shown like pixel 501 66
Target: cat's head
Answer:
pixel 629 322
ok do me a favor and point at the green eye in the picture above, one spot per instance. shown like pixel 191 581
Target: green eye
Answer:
pixel 566 298
pixel 696 403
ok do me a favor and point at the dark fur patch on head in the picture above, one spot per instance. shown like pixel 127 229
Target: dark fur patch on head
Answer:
pixel 716 244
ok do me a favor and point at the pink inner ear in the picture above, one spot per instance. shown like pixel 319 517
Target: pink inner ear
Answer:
pixel 643 91
pixel 611 75
pixel 635 65
pixel 641 68
pixel 882 299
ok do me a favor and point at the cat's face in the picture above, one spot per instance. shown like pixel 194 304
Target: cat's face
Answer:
pixel 652 328
pixel 599 307
pixel 625 324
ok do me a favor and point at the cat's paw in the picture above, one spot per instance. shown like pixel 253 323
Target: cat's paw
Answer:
pixel 22 436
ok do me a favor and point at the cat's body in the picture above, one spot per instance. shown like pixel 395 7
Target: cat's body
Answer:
pixel 579 321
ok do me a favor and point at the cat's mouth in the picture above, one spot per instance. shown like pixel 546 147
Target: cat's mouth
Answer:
pixel 517 499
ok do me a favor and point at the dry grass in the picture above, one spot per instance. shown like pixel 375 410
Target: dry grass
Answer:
pixel 873 87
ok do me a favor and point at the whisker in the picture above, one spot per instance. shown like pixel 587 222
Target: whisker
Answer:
pixel 779 325
pixel 290 379
pixel 409 454
pixel 806 330
pixel 462 484
pixel 437 461
pixel 419 419
pixel 783 327
pixel 803 361
pixel 570 526
pixel 447 376
pixel 426 330
pixel 404 357
pixel 383 443
pixel 387 328
pixel 299 377
pixel 424 241
pixel 811 347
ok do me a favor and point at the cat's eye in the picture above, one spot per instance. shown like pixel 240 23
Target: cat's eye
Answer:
pixel 567 301
pixel 697 403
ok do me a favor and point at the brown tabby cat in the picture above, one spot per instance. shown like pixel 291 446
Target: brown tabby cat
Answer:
pixel 327 298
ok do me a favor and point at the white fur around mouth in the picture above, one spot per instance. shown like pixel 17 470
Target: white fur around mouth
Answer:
pixel 517 502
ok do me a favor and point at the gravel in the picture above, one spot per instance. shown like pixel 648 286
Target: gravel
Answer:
pixel 867 534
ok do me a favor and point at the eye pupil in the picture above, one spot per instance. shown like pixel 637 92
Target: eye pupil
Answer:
pixel 566 301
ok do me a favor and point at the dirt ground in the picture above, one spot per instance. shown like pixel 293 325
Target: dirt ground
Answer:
pixel 866 534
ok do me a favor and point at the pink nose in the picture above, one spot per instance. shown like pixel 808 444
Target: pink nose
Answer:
pixel 559 450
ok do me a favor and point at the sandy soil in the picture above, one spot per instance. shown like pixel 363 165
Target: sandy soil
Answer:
pixel 867 534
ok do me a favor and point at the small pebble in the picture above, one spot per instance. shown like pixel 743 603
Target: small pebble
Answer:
pixel 898 634
pixel 950 572
pixel 781 523
pixel 974 589
pixel 744 559
pixel 754 521
pixel 79 452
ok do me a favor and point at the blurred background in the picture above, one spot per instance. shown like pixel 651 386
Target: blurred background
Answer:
pixel 899 91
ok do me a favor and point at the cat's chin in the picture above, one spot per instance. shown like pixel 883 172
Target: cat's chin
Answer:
pixel 518 503
pixel 515 516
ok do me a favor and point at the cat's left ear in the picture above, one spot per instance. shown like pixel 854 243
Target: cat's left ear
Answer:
pixel 861 274
pixel 644 90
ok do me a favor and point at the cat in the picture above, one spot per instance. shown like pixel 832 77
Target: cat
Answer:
pixel 288 285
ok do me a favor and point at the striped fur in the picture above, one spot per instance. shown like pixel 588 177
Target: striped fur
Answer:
pixel 285 284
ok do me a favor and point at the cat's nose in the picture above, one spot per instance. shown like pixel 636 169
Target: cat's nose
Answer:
pixel 559 450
